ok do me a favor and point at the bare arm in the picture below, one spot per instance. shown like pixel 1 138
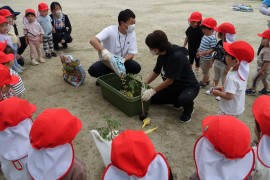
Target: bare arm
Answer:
pixel 186 41
pixel 129 57
pixel 151 77
pixel 96 44
pixel 207 52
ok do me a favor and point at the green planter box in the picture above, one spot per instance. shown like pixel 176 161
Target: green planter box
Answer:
pixel 110 87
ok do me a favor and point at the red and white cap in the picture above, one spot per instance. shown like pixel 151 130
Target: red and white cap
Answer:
pixel 265 34
pixel 52 154
pixel 243 52
pixel 228 30
pixel 6 78
pixel 133 156
pixel 42 6
pixel 15 125
pixel 209 22
pixel 4 58
pixel 195 17
pixel 30 11
pixel 223 151
pixel 5 12
pixel 261 112
pixel 3 20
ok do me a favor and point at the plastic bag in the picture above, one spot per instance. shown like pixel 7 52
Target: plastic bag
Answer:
pixel 115 63
pixel 104 147
pixel 73 71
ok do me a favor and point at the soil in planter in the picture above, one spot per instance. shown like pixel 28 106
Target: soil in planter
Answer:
pixel 131 87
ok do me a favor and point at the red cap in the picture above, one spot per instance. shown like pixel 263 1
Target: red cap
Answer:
pixel 225 28
pixel 229 136
pixel 3 46
pixel 4 58
pixel 42 6
pixel 6 78
pixel 195 16
pixel 30 11
pixel 261 112
pixel 132 152
pixel 241 50
pixel 13 111
pixel 209 22
pixel 265 34
pixel 6 13
pixel 3 20
pixel 54 127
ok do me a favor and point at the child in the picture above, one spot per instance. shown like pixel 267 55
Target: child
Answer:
pixel 193 38
pixel 223 151
pixel 62 26
pixel 6 80
pixel 15 125
pixel 52 154
pixel 33 35
pixel 207 47
pixel 14 38
pixel 263 68
pixel 8 62
pixel 238 55
pixel 226 33
pixel 45 21
pixel 261 114
pixel 133 156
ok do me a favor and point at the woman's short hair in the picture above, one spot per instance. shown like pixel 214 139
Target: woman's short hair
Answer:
pixel 158 39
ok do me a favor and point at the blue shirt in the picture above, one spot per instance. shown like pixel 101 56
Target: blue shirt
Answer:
pixel 207 43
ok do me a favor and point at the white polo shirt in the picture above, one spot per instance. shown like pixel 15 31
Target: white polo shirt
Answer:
pixel 117 43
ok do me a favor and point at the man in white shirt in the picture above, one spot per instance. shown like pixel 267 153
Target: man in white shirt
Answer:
pixel 119 40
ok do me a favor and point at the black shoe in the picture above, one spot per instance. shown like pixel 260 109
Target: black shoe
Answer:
pixel 64 45
pixel 185 118
pixel 53 54
pixel 56 47
pixel 48 55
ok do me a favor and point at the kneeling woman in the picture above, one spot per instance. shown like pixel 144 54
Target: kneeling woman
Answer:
pixel 180 86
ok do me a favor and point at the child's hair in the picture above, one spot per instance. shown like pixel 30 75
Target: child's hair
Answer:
pixel 54 4
pixel 203 26
pixel 8 50
pixel 125 15
pixel 158 39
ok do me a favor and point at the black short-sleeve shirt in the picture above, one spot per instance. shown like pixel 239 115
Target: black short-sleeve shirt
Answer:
pixel 175 65
pixel 194 38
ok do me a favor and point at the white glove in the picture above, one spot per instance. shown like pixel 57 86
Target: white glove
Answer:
pixel 143 88
pixel 105 54
pixel 146 95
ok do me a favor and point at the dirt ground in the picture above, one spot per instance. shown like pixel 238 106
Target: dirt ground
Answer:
pixel 46 87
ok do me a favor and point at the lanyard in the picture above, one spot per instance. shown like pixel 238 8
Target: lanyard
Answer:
pixel 122 49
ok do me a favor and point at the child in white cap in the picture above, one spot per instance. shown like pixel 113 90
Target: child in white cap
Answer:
pixel 261 113
pixel 223 151
pixel 15 125
pixel 133 156
pixel 52 154
pixel 238 56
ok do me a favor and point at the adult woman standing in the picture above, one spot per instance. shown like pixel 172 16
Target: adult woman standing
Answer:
pixel 180 86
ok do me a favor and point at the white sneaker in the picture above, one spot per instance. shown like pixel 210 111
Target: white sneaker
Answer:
pixel 208 92
pixel 34 62
pixel 218 98
pixel 41 60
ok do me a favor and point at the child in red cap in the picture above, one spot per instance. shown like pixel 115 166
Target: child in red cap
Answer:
pixel 226 33
pixel 15 125
pixel 261 113
pixel 45 21
pixel 6 80
pixel 52 155
pixel 193 38
pixel 14 38
pixel 263 66
pixel 8 61
pixel 238 56
pixel 33 35
pixel 133 156
pixel 223 151
pixel 207 47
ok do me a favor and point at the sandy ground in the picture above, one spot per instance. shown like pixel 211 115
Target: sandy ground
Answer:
pixel 46 87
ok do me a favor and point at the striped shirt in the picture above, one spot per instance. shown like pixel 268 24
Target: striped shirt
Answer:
pixel 19 87
pixel 207 43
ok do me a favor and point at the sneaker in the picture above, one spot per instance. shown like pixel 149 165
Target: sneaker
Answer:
pixel 53 54
pixel 20 67
pixel 34 62
pixel 218 98
pixel 264 91
pixel 208 92
pixel 48 55
pixel 250 92
pixel 17 70
pixel 185 118
pixel 56 47
pixel 41 60
pixel 202 85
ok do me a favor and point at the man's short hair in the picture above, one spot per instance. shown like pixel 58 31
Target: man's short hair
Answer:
pixel 125 15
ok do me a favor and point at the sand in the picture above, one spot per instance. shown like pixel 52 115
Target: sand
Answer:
pixel 46 87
